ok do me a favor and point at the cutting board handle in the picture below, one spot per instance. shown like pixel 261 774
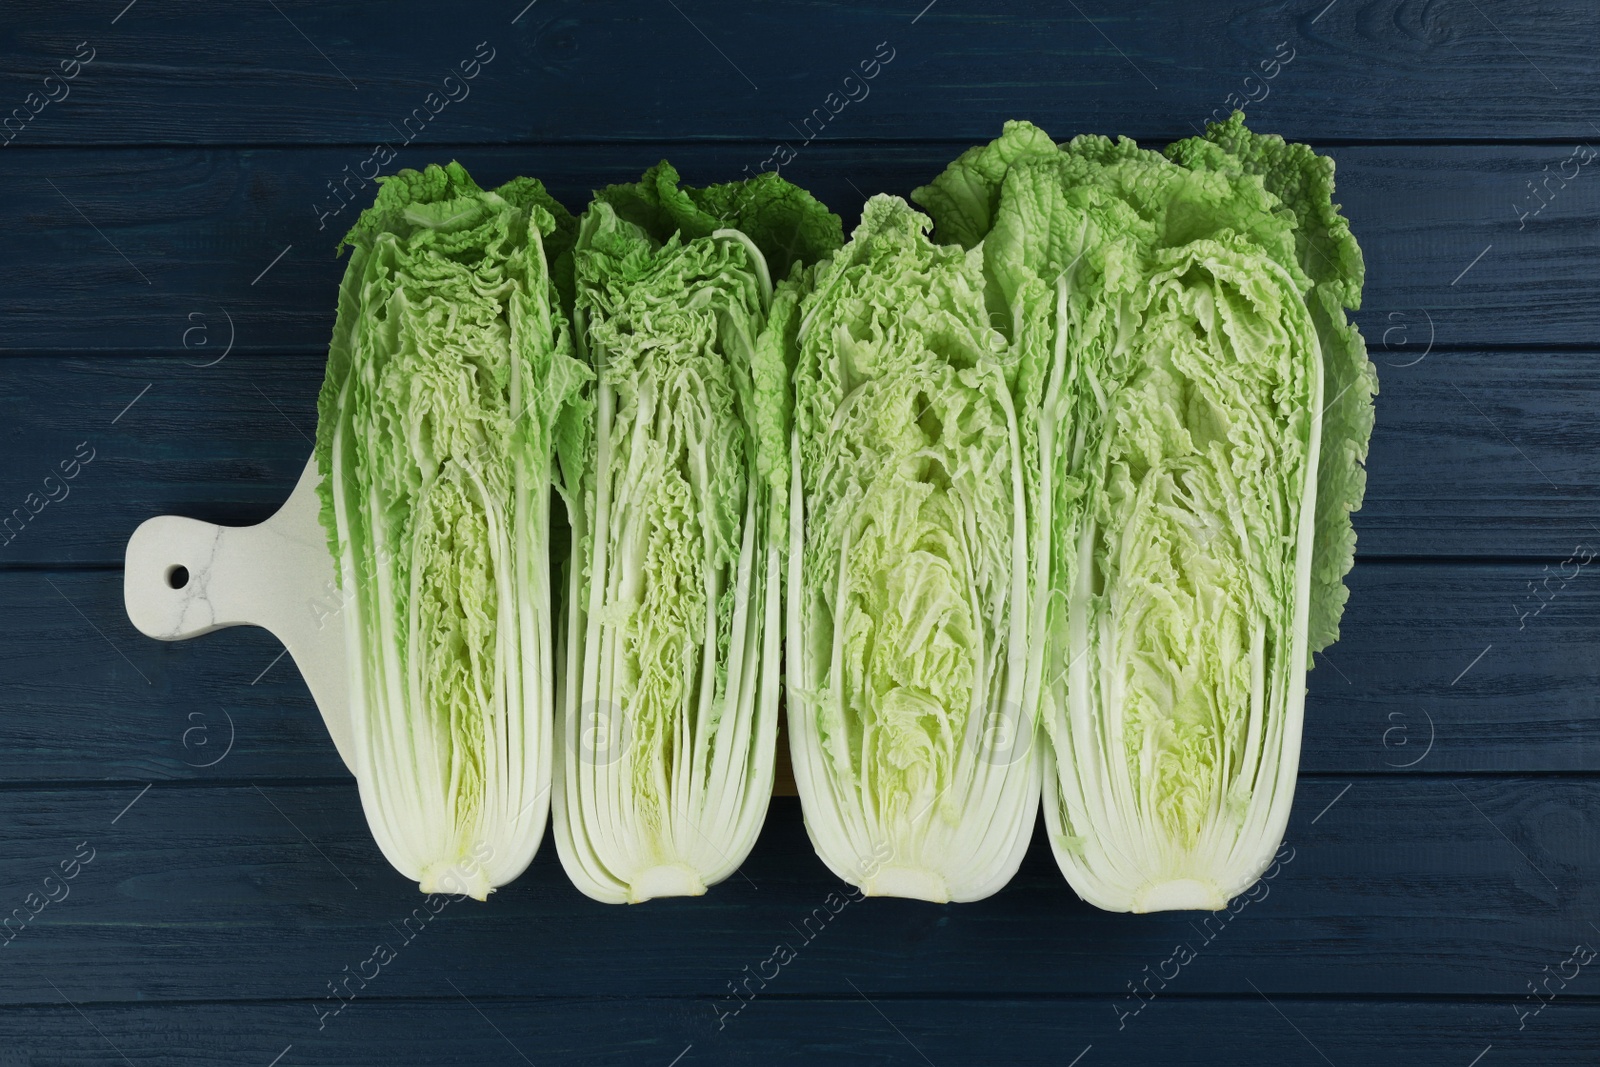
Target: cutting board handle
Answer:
pixel 183 578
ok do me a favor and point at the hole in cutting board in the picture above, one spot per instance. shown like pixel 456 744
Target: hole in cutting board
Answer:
pixel 178 576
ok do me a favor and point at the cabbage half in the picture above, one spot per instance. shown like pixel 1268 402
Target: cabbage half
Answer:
pixel 449 369
pixel 909 712
pixel 679 522
pixel 1202 430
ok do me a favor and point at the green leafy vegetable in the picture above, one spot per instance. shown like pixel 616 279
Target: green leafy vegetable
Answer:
pixel 673 627
pixel 448 371
pixel 1201 433
pixel 1088 461
pixel 909 572
pixel 785 222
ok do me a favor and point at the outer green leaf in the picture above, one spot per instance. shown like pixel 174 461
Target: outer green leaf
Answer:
pixel 785 222
pixel 962 200
pixel 1327 252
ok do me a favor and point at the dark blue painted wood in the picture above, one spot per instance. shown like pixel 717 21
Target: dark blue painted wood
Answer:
pixel 850 1030
pixel 189 72
pixel 147 208
pixel 266 891
pixel 181 233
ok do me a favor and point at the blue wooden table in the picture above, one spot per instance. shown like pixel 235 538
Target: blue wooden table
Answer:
pixel 187 850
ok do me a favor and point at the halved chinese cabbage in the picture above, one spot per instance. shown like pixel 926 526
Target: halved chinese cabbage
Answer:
pixel 1202 432
pixel 679 517
pixel 910 720
pixel 448 371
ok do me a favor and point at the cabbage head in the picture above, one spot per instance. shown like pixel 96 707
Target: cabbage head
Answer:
pixel 679 473
pixel 1202 429
pixel 909 571
pixel 449 371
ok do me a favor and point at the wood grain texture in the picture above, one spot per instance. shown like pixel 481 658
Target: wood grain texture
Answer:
pixel 1405 692
pixel 851 1030
pixel 192 73
pixel 147 250
pixel 267 891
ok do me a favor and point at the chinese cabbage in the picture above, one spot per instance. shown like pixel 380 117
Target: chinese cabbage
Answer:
pixel 673 623
pixel 449 368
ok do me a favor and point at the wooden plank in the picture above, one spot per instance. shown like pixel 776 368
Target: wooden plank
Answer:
pixel 1445 669
pixel 1414 687
pixel 1482 453
pixel 268 891
pixel 1186 1032
pixel 1474 453
pixel 223 443
pixel 152 250
pixel 88 697
pixel 190 73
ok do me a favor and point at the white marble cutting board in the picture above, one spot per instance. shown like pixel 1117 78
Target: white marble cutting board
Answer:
pixel 278 575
